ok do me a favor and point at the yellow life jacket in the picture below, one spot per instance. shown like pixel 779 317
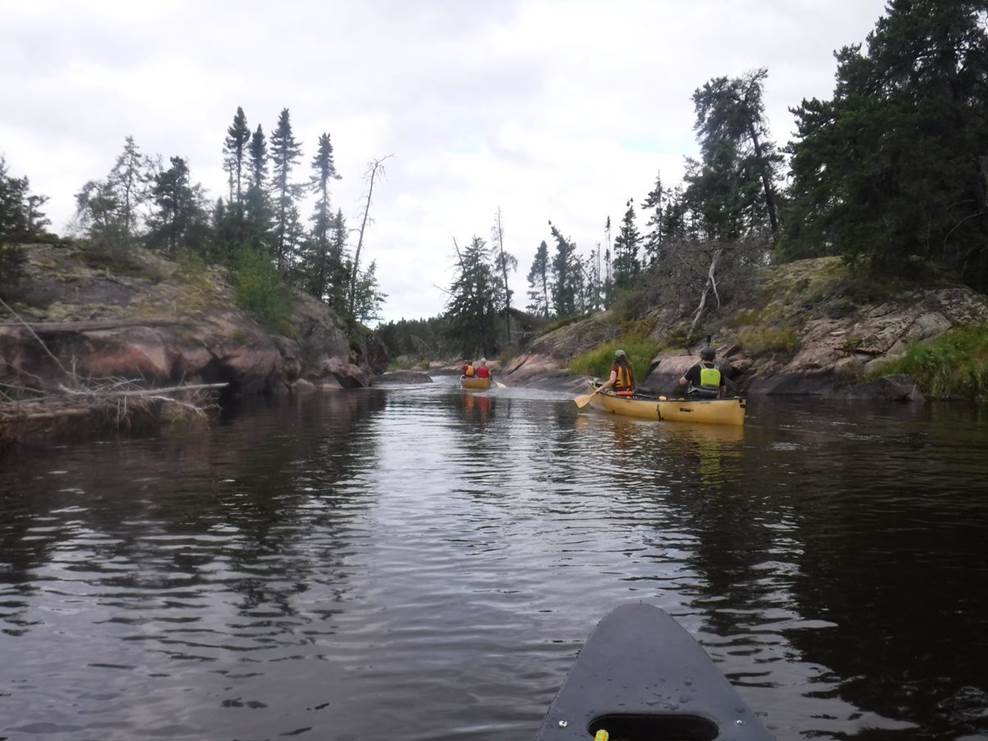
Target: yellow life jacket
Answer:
pixel 469 371
pixel 625 380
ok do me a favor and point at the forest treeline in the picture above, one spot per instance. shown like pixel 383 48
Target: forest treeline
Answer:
pixel 891 172
pixel 258 228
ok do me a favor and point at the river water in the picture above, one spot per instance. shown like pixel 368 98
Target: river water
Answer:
pixel 421 563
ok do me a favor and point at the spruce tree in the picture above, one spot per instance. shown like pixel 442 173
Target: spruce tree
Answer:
pixel 235 151
pixel 653 203
pixel 538 282
pixel 566 279
pixel 285 153
pixel 316 257
pixel 130 181
pixel 257 204
pixel 474 301
pixel 626 263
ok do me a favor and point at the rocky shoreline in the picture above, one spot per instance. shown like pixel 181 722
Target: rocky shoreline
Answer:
pixel 799 334
pixel 161 323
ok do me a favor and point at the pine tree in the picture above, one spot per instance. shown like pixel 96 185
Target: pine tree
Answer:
pixel 234 151
pixel 130 181
pixel 626 263
pixel 285 153
pixel 734 185
pixel 180 219
pixel 538 282
pixel 504 261
pixel 892 171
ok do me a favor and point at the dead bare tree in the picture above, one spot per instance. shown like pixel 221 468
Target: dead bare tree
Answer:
pixel 375 167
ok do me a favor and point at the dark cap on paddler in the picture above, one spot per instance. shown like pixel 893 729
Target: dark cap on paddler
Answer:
pixel 707 353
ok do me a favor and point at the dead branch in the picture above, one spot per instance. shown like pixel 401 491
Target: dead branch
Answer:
pixel 34 334
pixel 711 283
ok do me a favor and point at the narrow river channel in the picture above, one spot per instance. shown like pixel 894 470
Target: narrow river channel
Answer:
pixel 422 563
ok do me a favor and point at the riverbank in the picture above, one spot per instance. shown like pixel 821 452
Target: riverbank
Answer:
pixel 141 318
pixel 806 328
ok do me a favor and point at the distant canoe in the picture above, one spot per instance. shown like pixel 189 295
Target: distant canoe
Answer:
pixel 705 411
pixel 475 384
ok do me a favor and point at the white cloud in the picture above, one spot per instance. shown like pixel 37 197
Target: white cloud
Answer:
pixel 549 110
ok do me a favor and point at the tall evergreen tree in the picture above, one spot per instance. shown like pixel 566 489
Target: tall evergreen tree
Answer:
pixel 538 282
pixel 369 298
pixel 235 154
pixel 893 168
pixel 626 263
pixel 474 300
pixel 257 204
pixel 653 204
pixel 566 278
pixel 730 117
pixel 317 253
pixel 285 153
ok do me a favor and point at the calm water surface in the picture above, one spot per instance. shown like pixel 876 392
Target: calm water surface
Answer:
pixel 420 563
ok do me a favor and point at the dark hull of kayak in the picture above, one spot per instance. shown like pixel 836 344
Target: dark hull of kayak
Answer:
pixel 642 677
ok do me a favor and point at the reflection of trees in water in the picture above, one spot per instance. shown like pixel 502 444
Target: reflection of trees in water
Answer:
pixel 145 518
pixel 892 530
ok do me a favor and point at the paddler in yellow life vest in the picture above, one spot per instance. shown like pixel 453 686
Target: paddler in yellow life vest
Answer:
pixel 704 380
pixel 622 378
pixel 468 371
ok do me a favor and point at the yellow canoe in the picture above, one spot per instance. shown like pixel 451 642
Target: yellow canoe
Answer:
pixel 707 411
pixel 475 384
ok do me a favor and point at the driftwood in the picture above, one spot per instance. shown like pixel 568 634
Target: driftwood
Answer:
pixel 116 399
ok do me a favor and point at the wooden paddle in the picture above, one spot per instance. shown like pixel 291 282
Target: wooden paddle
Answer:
pixel 582 401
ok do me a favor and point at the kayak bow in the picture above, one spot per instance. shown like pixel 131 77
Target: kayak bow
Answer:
pixel 642 677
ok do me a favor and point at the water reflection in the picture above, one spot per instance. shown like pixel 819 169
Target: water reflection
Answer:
pixel 424 563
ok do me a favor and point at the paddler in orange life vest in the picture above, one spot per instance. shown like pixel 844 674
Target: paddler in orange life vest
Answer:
pixel 468 371
pixel 704 380
pixel 622 378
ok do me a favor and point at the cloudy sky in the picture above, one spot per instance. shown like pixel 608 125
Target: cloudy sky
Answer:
pixel 548 110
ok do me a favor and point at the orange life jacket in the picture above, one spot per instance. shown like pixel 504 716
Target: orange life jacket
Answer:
pixel 468 371
pixel 625 380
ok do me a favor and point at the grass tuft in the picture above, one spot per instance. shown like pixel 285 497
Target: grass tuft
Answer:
pixel 598 362
pixel 954 365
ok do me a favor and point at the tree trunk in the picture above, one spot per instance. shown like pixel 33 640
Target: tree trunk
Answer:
pixel 351 304
pixel 711 283
pixel 504 273
pixel 773 218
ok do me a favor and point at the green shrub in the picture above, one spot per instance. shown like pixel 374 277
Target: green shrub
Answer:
pixel 758 340
pixel 598 362
pixel 955 364
pixel 262 292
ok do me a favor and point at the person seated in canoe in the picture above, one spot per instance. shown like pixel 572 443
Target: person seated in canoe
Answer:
pixel 468 371
pixel 622 378
pixel 704 380
pixel 482 370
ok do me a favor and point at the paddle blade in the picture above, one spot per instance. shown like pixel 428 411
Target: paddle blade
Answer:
pixel 582 401
pixel 500 385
